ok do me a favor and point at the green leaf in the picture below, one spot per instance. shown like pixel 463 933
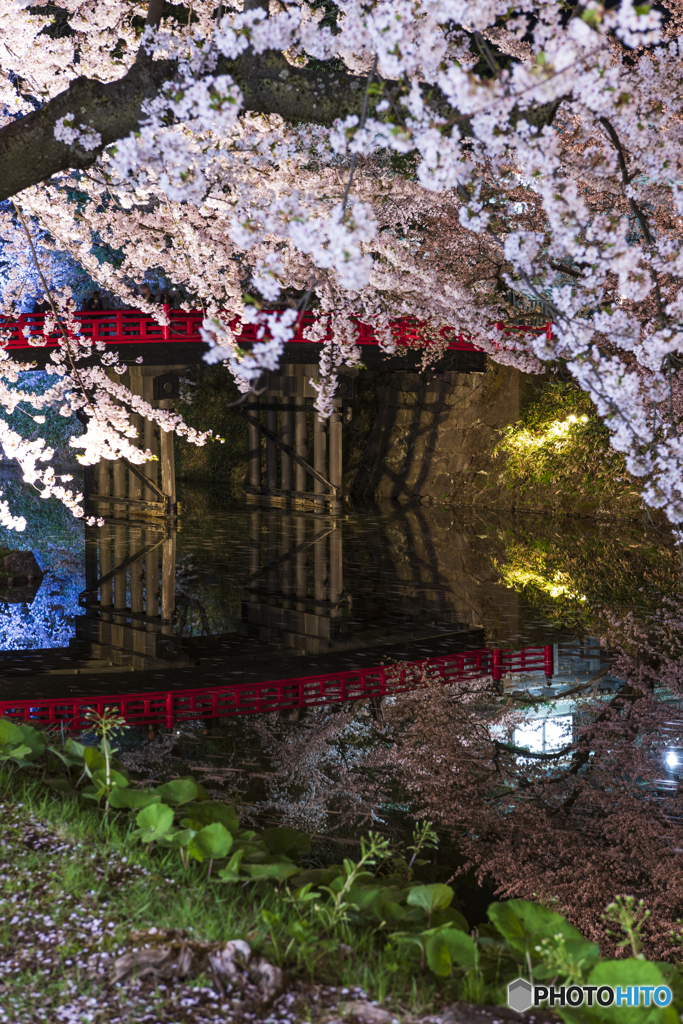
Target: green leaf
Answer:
pixel 449 947
pixel 207 812
pixel 93 759
pixel 153 822
pixel 75 750
pixel 10 732
pixel 17 754
pixel 279 870
pixel 117 779
pixel 430 897
pixel 178 791
pixel 286 840
pixel 21 734
pixel 305 894
pixel 525 924
pixel 623 973
pixel 213 841
pixel 453 918
pixel 230 873
pixel 177 839
pixel 132 799
pixel 408 939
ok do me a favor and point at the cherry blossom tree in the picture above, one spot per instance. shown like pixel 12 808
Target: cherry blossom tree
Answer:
pixel 378 159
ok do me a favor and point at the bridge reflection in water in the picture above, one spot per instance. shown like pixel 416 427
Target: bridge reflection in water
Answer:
pixel 129 599
pixel 302 637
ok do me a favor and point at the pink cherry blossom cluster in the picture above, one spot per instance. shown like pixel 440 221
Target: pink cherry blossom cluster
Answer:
pixel 538 154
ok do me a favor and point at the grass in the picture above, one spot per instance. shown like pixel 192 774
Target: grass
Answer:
pixel 77 893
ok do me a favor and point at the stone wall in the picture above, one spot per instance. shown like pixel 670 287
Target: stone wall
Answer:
pixel 431 436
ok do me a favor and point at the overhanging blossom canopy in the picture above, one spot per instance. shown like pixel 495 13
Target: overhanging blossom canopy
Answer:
pixel 380 159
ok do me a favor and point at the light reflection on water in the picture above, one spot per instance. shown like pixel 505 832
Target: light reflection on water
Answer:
pixel 261 595
pixel 285 590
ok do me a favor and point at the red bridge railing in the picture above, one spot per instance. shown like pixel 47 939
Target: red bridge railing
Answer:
pixel 130 327
pixel 169 707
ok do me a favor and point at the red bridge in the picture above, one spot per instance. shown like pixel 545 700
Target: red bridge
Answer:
pixel 172 706
pixel 130 327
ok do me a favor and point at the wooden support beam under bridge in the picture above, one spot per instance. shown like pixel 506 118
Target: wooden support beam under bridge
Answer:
pixel 295 458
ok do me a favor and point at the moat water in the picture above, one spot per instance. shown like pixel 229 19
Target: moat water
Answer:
pixel 257 595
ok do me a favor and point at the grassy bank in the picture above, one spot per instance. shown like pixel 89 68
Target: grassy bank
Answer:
pixel 77 893
pixel 557 457
pixel 124 903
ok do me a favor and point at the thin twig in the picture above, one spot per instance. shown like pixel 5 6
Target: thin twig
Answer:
pixel 64 333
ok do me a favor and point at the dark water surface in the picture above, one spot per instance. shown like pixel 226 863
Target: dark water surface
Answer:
pixel 248 594
pixel 238 596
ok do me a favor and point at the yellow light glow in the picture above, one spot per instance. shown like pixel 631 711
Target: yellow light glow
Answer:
pixel 557 585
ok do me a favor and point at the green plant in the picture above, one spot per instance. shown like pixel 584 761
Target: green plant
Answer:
pixel 104 724
pixel 372 903
pixel 424 838
pixel 629 917
pixel 560 447
pixel 20 744
pixel 374 849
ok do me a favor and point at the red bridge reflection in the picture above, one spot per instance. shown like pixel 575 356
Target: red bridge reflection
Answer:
pixel 173 706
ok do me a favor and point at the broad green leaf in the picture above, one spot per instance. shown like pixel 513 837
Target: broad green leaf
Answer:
pixel 230 873
pixel 408 939
pixel 525 924
pixel 153 822
pixel 17 754
pixel 33 738
pixel 10 732
pixel 285 840
pixel 279 871
pixel 449 947
pixel 21 734
pixel 389 910
pixel 439 956
pixel 93 759
pixel 213 842
pixel 430 897
pixel 74 749
pixel 178 791
pixel 64 758
pixel 132 799
pixel 116 779
pixel 623 973
pixel 183 838
pixel 451 917
pixel 209 811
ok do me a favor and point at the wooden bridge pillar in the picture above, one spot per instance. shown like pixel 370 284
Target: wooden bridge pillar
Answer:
pixel 129 600
pixel 303 455
pixel 150 489
pixel 137 633
pixel 294 595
